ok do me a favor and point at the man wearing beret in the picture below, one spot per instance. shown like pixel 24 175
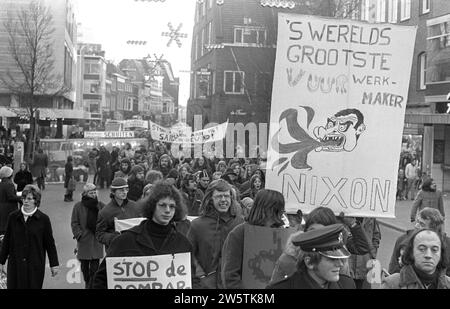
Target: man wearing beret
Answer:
pixel 324 253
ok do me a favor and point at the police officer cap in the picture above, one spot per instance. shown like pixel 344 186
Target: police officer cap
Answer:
pixel 328 241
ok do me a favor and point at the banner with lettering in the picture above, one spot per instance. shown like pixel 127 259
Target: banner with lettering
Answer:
pixel 150 272
pixel 169 135
pixel 263 246
pixel 184 135
pixel 135 123
pixel 109 134
pixel 339 96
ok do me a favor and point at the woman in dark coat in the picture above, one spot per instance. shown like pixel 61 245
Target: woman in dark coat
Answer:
pixel 28 238
pixel 83 222
pixel 23 177
pixel 8 197
pixel 155 236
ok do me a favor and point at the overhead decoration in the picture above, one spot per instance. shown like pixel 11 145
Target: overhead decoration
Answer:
pixel 214 46
pixel 174 35
pixel 220 2
pixel 150 0
pixel 279 3
pixel 137 42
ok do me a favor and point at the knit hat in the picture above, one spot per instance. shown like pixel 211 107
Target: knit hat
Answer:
pixel 119 183
pixel 88 187
pixel 137 169
pixel 6 172
pixel 247 202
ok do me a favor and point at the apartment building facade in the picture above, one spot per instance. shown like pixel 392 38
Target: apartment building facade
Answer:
pixel 56 111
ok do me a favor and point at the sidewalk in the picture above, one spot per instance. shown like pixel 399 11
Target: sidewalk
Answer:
pixel 402 220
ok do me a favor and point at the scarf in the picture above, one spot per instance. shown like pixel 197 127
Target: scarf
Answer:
pixel 91 205
pixel 26 215
pixel 428 281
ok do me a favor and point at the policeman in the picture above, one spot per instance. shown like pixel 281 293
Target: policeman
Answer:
pixel 324 254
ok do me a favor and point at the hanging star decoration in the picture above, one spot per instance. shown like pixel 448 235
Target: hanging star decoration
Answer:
pixel 137 42
pixel 174 35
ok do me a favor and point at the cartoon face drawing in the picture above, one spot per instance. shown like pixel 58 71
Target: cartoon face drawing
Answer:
pixel 341 132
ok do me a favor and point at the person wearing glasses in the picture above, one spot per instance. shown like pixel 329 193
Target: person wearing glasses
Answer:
pixel 219 214
pixel 429 218
pixel 158 235
pixel 28 238
pixel 89 250
pixel 119 207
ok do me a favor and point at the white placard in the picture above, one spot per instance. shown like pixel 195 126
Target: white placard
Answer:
pixel 338 105
pixel 150 272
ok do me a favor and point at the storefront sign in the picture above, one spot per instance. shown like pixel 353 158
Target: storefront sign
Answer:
pixel 108 134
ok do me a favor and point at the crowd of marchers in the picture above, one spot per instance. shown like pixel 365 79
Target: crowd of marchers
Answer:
pixel 202 207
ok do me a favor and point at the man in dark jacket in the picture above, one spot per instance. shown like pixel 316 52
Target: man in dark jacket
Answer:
pixel 39 168
pixel 426 218
pixel 218 216
pixel 8 197
pixel 324 252
pixel 119 207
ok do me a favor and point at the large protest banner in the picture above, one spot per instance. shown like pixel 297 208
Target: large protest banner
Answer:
pixel 184 135
pixel 263 246
pixel 338 106
pixel 150 272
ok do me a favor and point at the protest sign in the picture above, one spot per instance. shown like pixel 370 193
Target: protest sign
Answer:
pixel 135 123
pixel 184 134
pixel 150 272
pixel 126 224
pixel 169 135
pixel 263 246
pixel 339 97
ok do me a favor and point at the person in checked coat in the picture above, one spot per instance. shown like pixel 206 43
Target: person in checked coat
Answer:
pixel 89 250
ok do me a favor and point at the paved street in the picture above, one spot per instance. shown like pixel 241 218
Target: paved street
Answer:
pixel 69 278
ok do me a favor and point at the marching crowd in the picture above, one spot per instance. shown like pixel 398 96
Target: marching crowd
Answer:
pixel 203 206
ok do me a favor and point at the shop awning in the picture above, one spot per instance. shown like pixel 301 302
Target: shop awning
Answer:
pixel 5 112
pixel 45 113
pixel 428 118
